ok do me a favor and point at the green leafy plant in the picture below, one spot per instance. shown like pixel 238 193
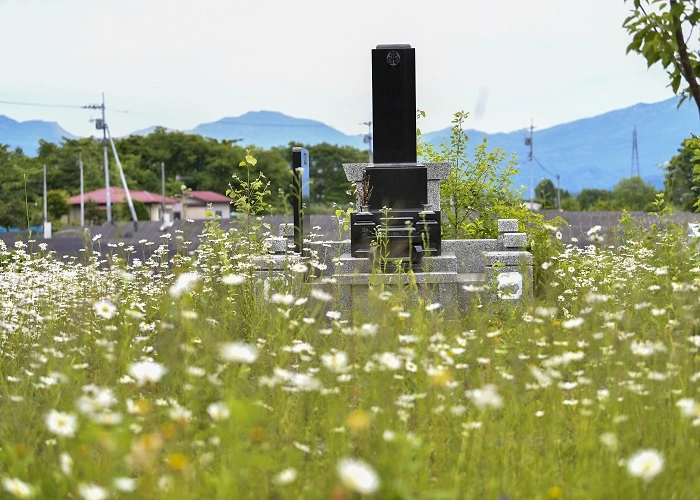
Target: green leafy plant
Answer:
pixel 479 190
pixel 249 194
pixel 249 197
pixel 661 31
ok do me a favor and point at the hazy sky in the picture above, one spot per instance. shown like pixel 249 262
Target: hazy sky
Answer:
pixel 180 63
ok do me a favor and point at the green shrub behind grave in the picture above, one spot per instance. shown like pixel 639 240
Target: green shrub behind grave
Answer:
pixel 479 190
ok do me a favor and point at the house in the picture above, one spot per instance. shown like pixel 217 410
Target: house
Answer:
pixel 196 203
pixel 153 201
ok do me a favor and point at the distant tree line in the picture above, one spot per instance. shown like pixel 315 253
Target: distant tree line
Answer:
pixel 204 164
pixel 681 188
pixel 632 194
pixel 200 163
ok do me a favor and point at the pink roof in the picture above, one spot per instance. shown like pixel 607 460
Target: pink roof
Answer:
pixel 116 195
pixel 209 197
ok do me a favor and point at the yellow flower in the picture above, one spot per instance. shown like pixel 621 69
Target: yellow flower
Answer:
pixel 554 492
pixel 441 378
pixel 257 434
pixel 359 420
pixel 177 461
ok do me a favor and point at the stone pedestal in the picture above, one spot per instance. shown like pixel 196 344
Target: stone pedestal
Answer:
pixel 436 173
pixel 399 218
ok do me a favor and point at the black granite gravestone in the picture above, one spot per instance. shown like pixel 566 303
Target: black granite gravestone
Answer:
pixel 394 215
pixel 394 103
pixel 300 196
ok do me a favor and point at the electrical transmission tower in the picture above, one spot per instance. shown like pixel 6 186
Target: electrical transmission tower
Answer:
pixel 634 169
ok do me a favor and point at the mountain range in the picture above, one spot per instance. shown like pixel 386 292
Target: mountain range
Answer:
pixel 593 152
pixel 26 135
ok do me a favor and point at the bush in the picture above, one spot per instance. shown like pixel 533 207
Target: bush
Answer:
pixel 479 191
pixel 121 212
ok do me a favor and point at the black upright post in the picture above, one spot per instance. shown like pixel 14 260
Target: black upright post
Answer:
pixel 394 103
pixel 300 195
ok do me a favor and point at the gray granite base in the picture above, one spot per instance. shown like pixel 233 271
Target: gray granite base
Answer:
pixel 469 272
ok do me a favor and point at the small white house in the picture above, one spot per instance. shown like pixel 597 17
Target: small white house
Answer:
pixel 195 205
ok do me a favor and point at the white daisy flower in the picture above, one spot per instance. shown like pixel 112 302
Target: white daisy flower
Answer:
pixel 124 484
pixel 358 476
pixel 645 464
pixel 17 487
pixel 61 424
pixel 105 309
pixel 88 491
pixel 485 397
pixel 147 372
pixel 319 294
pixel 218 411
pixel 287 476
pixel 233 279
pixel 238 352
pixel 184 283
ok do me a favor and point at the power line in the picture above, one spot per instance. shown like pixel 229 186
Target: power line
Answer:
pixel 67 106
pixel 558 181
pixel 40 105
pixel 542 166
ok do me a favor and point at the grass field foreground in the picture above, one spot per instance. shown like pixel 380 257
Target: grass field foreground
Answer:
pixel 193 377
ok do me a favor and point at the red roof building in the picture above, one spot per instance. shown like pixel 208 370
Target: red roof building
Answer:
pixel 153 202
pixel 118 195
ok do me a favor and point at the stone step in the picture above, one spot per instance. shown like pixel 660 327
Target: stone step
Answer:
pixel 445 263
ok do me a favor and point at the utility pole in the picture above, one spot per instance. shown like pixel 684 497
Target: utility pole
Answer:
pixel 162 181
pixel 82 191
pixel 101 124
pixel 121 175
pixel 46 218
pixel 367 139
pixel 528 142
pixel 47 224
pixel 558 193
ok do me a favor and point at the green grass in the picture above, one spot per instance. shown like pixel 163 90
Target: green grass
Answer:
pixel 412 391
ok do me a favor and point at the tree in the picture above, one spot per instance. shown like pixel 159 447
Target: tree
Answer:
pixel 479 189
pixel 589 198
pixel 20 189
pixel 679 183
pixel 57 204
pixel 329 184
pixel 122 212
pixel 546 193
pixel 94 214
pixel 570 204
pixel 62 160
pixel 633 194
pixel 660 32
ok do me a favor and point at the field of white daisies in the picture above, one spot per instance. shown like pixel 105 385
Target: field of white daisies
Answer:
pixel 193 377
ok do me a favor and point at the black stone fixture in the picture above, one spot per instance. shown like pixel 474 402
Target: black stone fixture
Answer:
pixel 300 196
pixel 395 226
pixel 394 103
